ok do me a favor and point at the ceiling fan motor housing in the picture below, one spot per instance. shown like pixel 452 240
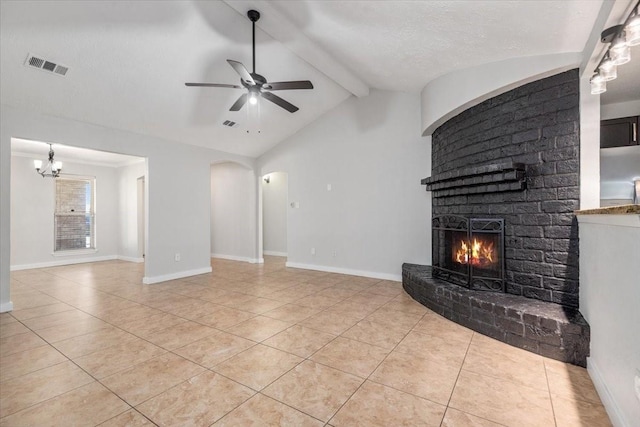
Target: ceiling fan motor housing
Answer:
pixel 253 15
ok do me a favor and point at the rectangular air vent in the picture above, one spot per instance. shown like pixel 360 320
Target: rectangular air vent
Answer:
pixel 230 123
pixel 38 62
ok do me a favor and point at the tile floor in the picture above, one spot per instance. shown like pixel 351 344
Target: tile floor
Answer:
pixel 262 345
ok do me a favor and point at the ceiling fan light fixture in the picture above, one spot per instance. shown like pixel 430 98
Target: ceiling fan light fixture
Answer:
pixel 253 99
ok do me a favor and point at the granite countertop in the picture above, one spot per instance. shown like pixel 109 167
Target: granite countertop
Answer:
pixel 611 210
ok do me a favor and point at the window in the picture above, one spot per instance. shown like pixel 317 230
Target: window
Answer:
pixel 75 214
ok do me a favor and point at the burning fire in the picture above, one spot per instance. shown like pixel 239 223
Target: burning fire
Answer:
pixel 481 253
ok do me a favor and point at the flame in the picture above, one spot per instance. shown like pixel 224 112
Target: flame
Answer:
pixel 481 253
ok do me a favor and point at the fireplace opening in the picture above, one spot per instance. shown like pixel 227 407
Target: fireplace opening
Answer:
pixel 469 251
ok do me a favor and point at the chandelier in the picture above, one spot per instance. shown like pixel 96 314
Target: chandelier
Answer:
pixel 620 38
pixel 52 169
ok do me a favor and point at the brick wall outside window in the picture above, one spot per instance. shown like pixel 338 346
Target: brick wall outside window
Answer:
pixel 75 214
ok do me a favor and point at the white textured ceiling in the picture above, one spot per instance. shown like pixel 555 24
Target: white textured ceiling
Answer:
pixel 402 45
pixel 129 59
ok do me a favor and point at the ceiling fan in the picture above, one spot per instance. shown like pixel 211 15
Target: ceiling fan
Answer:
pixel 257 85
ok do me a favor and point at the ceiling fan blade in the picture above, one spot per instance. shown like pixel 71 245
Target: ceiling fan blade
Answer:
pixel 240 69
pixel 300 84
pixel 280 102
pixel 213 85
pixel 239 103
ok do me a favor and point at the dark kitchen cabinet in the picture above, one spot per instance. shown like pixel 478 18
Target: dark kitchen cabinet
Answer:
pixel 619 132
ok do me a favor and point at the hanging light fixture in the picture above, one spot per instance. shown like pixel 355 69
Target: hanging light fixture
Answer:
pixel 52 169
pixel 620 38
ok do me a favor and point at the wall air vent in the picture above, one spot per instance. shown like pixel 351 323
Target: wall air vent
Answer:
pixel 230 123
pixel 45 65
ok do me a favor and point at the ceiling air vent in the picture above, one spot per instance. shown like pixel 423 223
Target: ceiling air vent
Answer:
pixel 230 123
pixel 45 65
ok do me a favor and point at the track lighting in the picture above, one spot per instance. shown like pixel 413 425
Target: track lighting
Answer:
pixel 620 38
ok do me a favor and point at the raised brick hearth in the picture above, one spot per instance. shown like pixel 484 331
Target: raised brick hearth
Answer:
pixel 548 329
pixel 515 157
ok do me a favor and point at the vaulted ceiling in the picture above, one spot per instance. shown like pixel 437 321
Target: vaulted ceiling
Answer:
pixel 128 60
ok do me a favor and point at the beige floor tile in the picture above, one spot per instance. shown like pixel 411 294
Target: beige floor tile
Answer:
pixel 330 323
pixel 85 406
pixel 110 360
pixel 376 334
pixel 257 305
pixel 6 318
pixel 406 305
pixel 352 309
pixel 72 329
pixel 386 288
pixel 502 401
pixel 56 319
pixel 291 313
pixel 146 327
pixel 214 349
pixel 232 299
pixel 487 356
pixel 224 318
pixel 318 301
pixel 180 335
pixel 44 310
pixel 436 325
pixel 258 366
pixel 422 344
pixel 571 382
pixel 370 299
pixel 148 379
pixel 259 328
pixel 14 328
pixel 314 389
pixel 262 411
pixel 120 316
pixel 455 418
pixel 199 401
pixel 93 341
pixel 21 392
pixel 27 361
pixel 130 418
pixel 428 378
pixel 338 292
pixel 397 319
pixel 299 340
pixel 354 357
pixel 577 413
pixel 20 342
pixel 376 405
pixel 31 299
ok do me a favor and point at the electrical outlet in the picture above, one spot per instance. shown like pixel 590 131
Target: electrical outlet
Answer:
pixel 313 251
pixel 177 257
pixel 636 383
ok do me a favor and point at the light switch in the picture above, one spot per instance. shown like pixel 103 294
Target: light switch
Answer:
pixel 328 187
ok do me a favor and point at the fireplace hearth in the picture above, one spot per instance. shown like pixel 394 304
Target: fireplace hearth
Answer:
pixel 469 251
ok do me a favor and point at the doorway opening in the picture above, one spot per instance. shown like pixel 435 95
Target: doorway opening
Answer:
pixel 275 201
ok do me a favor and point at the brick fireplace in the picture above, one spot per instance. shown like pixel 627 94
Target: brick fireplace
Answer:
pixel 512 160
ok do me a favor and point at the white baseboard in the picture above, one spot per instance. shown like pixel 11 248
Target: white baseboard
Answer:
pixel 62 262
pixel 239 258
pixel 7 306
pixel 372 274
pixel 173 276
pixel 609 403
pixel 274 253
pixel 130 259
